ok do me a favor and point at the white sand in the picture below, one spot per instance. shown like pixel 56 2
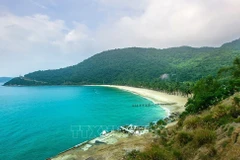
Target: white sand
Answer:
pixel 156 97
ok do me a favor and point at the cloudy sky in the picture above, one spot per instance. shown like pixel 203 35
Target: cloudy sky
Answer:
pixel 47 34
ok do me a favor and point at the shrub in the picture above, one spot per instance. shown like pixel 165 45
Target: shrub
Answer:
pixel 206 92
pixel 208 121
pixel 212 152
pixel 203 136
pixel 180 122
pixel 234 112
pixel 225 120
pixel 236 101
pixel 208 118
pixel 183 115
pixel 152 126
pixel 178 154
pixel 156 153
pixel 161 122
pixel 184 137
pixel 230 130
pixel 153 153
pixel 237 120
pixel 225 143
pixel 132 155
pixel 220 112
pixel 192 122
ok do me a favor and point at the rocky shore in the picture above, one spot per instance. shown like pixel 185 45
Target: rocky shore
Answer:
pixel 117 143
pixel 121 141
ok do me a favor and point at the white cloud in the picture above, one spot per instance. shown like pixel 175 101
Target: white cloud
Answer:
pixel 36 42
pixel 181 22
pixel 23 32
pixel 41 42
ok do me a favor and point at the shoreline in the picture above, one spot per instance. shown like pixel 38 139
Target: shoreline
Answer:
pixel 114 136
pixel 156 97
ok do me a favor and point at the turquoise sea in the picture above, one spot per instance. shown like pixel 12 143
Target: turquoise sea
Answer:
pixel 39 122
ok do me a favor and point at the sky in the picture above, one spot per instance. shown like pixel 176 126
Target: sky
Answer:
pixel 49 34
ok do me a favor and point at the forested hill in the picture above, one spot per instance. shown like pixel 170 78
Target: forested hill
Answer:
pixel 134 66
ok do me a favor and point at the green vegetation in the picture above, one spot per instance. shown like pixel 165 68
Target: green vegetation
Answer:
pixel 183 70
pixel 155 153
pixel 209 91
pixel 184 137
pixel 172 70
pixel 192 122
pixel 230 130
pixel 208 129
pixel 203 136
pixel 197 136
pixel 161 122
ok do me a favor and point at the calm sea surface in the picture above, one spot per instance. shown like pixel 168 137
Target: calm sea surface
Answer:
pixel 39 122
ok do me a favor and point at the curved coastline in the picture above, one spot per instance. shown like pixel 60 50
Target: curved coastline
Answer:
pixel 178 102
pixel 177 105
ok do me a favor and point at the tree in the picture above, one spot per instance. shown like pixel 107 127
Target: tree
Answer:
pixel 234 74
pixel 206 92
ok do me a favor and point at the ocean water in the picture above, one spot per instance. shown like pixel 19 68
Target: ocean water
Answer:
pixel 39 122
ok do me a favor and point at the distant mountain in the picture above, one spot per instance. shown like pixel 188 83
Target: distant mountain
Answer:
pixel 133 66
pixel 4 79
pixel 232 45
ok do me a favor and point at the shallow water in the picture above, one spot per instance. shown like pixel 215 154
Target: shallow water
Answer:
pixel 39 122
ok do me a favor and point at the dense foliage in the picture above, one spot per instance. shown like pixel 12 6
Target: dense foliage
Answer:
pixel 195 135
pixel 212 134
pixel 140 67
pixel 208 91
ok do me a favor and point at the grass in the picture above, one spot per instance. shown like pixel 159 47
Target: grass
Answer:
pixel 237 120
pixel 236 101
pixel 230 131
pixel 203 136
pixel 155 153
pixel 208 121
pixel 184 137
pixel 132 155
pixel 212 152
pixel 225 143
pixel 220 111
pixel 192 122
pixel 195 135
pixel 224 120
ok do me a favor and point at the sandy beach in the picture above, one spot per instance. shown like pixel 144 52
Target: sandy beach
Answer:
pixel 157 97
pixel 116 143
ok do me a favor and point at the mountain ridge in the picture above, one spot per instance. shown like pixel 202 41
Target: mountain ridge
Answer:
pixel 138 65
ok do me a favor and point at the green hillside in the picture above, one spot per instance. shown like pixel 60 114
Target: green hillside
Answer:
pixel 210 135
pixel 208 129
pixel 136 66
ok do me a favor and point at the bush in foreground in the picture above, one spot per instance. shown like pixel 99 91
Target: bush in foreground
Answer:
pixel 184 137
pixel 203 136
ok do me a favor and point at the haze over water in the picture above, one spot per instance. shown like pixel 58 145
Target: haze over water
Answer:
pixel 39 122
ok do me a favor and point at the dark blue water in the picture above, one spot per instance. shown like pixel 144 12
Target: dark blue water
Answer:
pixel 39 122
